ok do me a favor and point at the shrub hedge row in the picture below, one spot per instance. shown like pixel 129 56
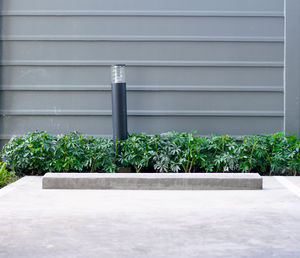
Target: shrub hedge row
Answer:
pixel 38 152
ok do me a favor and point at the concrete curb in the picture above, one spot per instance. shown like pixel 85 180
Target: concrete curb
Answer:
pixel 153 181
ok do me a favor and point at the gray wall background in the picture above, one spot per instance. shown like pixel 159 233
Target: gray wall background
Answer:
pixel 212 65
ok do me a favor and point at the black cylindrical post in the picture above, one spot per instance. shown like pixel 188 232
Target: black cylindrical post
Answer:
pixel 119 105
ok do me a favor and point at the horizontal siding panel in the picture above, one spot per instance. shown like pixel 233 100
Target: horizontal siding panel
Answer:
pixel 141 100
pixel 127 38
pixel 158 88
pixel 142 51
pixel 143 26
pixel 102 125
pixel 226 76
pixel 156 113
pixel 207 125
pixel 166 5
pixel 141 63
pixel 145 13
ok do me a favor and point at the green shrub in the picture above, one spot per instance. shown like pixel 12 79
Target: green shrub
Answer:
pixel 38 152
pixel 6 177
pixel 99 154
pixel 270 153
pixel 175 152
pixel 165 152
pixel 31 154
pixel 293 154
pixel 135 151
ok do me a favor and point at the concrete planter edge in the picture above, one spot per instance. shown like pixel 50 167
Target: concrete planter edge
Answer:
pixel 153 181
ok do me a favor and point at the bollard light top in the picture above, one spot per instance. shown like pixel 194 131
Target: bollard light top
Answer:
pixel 119 65
pixel 118 73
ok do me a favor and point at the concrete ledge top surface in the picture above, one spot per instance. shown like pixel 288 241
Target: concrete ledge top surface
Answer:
pixel 153 181
pixel 154 175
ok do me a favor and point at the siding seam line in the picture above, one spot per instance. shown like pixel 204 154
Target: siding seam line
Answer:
pixel 143 88
pixel 140 113
pixel 142 38
pixel 144 63
pixel 146 13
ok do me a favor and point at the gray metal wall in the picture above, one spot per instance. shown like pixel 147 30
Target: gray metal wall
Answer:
pixel 211 65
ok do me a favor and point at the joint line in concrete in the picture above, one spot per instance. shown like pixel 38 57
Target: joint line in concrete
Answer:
pixel 289 185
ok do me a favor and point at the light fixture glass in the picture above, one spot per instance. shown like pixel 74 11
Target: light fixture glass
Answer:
pixel 118 73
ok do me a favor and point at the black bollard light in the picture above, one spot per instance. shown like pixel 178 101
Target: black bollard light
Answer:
pixel 119 105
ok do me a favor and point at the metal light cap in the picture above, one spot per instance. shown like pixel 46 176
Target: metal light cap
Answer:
pixel 118 73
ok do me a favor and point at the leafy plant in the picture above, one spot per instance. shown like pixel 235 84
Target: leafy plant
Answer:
pixel 75 152
pixel 6 177
pixel 253 154
pixel 293 155
pixel 165 152
pixel 135 151
pixel 99 153
pixel 69 153
pixel 31 154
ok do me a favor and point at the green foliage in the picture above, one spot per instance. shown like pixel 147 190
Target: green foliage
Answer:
pixel 293 154
pixel 165 152
pixel 38 152
pixel 135 151
pixel 30 154
pixel 99 154
pixel 69 153
pixel 175 152
pixel 6 177
pixel 270 153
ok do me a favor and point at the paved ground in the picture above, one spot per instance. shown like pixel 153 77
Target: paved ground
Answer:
pixel 133 224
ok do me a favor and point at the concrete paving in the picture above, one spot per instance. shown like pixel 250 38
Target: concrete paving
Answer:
pixel 132 224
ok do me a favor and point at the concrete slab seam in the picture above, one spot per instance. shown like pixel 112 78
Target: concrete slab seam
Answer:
pixel 7 189
pixel 289 185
